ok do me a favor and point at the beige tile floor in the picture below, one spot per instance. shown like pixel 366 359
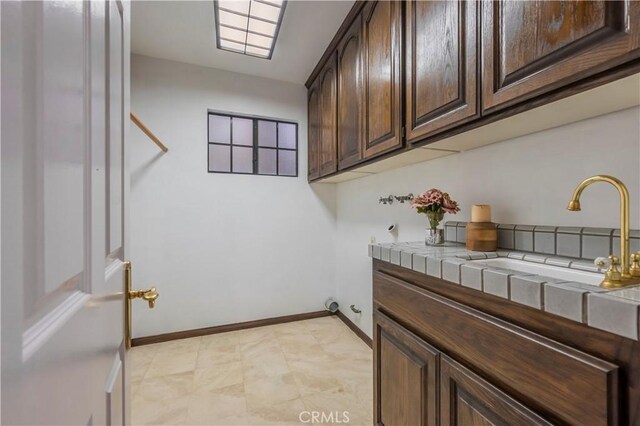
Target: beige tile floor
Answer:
pixel 260 376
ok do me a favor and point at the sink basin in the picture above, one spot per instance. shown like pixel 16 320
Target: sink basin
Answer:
pixel 557 272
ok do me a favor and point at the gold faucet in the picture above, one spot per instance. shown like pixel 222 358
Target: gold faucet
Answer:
pixel 613 277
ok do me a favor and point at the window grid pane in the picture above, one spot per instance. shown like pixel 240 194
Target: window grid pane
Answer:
pixel 287 135
pixel 287 162
pixel 219 158
pixel 219 129
pixel 246 145
pixel 267 161
pixel 242 131
pixel 242 158
pixel 267 133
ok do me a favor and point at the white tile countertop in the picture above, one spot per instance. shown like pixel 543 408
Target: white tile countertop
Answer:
pixel 614 310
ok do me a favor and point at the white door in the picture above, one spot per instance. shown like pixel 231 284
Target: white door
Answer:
pixel 63 186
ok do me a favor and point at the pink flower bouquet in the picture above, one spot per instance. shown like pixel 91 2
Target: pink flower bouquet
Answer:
pixel 435 203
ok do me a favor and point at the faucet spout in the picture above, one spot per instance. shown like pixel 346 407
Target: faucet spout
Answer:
pixel 574 205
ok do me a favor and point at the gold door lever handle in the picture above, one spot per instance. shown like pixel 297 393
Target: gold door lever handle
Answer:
pixel 149 296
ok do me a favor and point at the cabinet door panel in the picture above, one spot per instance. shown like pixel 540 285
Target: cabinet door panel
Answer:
pixel 350 97
pixel 466 399
pixel 532 47
pixel 441 67
pixel 406 391
pixel 328 118
pixel 313 133
pixel 382 41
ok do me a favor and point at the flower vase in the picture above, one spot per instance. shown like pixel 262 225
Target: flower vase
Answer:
pixel 434 233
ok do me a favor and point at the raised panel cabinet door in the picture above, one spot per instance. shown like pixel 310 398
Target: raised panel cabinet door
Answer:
pixel 406 376
pixel 328 118
pixel 382 41
pixel 350 96
pixel 532 47
pixel 466 399
pixel 313 140
pixel 441 69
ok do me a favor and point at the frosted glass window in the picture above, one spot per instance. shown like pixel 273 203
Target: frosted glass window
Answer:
pixel 219 158
pixel 219 129
pixel 287 135
pixel 267 161
pixel 242 131
pixel 249 145
pixel 287 163
pixel 267 133
pixel 242 160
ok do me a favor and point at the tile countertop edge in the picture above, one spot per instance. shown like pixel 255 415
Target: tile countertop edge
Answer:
pixel 616 311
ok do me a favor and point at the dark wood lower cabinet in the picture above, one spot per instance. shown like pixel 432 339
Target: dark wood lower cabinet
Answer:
pixel 408 373
pixel 449 355
pixel 467 399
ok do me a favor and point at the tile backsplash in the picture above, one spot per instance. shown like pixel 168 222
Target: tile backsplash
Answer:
pixel 565 241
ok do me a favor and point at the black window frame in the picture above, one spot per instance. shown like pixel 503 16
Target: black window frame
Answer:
pixel 255 146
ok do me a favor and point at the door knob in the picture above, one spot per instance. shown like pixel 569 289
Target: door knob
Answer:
pixel 149 296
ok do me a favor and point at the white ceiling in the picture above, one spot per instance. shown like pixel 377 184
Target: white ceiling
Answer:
pixel 184 31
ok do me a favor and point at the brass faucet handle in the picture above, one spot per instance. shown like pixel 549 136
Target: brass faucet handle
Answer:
pixel 614 261
pixel 635 265
pixel 613 274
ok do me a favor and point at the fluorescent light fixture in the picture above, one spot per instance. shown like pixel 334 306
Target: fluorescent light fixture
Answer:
pixel 249 27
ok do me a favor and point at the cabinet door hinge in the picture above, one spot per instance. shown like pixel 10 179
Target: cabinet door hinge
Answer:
pixel 403 132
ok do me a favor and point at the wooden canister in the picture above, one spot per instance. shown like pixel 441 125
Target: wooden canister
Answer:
pixel 481 213
pixel 482 236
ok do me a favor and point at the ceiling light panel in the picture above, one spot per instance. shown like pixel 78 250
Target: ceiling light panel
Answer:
pixel 249 27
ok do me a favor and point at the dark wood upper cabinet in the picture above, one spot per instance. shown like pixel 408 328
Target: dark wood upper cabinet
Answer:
pixel 407 373
pixel 350 111
pixel 382 36
pixel 441 66
pixel 421 71
pixel 466 399
pixel 313 140
pixel 328 86
pixel 532 47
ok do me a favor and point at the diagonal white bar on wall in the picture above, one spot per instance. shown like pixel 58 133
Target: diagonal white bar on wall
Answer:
pixel 248 27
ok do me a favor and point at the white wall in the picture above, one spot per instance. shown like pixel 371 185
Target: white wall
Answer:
pixel 527 180
pixel 220 248
pixel 231 248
